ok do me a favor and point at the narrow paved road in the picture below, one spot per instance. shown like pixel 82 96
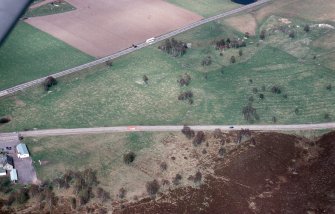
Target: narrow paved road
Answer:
pixel 12 90
pixel 100 130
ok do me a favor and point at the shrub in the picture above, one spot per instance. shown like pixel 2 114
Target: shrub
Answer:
pixel 262 35
pixel 176 180
pixel 329 87
pixel 197 177
pixel 199 138
pixel 163 166
pixel 261 96
pixel 274 119
pixel 129 157
pixel 145 79
pixel 240 52
pixel 185 95
pixel 222 151
pixel 122 193
pixel 152 187
pixel 188 132
pixel 306 28
pixel 184 80
pixel 276 89
pixel 291 34
pixel 232 59
pixel 4 120
pixel 48 82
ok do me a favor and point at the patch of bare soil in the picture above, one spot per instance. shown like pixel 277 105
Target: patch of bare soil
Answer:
pixel 103 27
pixel 271 173
pixel 243 23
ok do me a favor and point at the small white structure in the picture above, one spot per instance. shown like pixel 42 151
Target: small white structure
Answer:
pixel 13 175
pixel 22 151
pixel 151 40
pixel 2 172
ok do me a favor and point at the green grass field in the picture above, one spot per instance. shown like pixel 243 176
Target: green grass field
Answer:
pixel 206 8
pixel 117 96
pixel 48 9
pixel 29 54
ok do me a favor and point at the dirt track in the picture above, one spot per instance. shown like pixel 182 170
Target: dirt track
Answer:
pixel 102 27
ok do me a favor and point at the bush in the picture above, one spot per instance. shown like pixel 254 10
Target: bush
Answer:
pixel 152 187
pixel 122 193
pixel 276 90
pixel 129 157
pixel 4 120
pixel 184 80
pixel 261 96
pixel 232 59
pixel 145 79
pixel 240 52
pixel 329 87
pixel 262 35
pixel 222 151
pixel 48 82
pixel 199 138
pixel 197 177
pixel 306 28
pixel 292 34
pixel 176 180
pixel 188 132
pixel 163 166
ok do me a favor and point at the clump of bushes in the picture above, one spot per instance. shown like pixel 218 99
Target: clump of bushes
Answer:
pixel 185 79
pixel 174 47
pixel 187 95
pixel 188 132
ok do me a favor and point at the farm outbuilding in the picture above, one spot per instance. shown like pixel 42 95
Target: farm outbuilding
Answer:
pixel 22 151
pixel 13 175
pixel 6 162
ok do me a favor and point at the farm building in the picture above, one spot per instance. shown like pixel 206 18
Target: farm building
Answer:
pixel 2 172
pixel 22 151
pixel 6 162
pixel 13 175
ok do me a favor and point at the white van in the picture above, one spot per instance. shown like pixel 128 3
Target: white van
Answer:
pixel 151 40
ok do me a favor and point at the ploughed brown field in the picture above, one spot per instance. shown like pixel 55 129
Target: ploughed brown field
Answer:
pixel 276 173
pixel 103 27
